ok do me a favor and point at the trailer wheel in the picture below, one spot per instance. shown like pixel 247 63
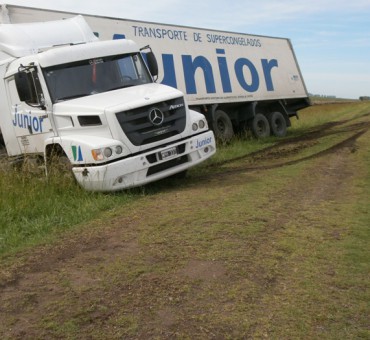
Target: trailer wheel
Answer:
pixel 277 124
pixel 260 126
pixel 222 126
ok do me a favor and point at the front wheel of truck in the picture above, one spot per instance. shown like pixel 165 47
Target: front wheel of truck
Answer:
pixel 58 164
pixel 180 175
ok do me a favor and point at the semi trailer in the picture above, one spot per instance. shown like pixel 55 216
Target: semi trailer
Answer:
pixel 238 81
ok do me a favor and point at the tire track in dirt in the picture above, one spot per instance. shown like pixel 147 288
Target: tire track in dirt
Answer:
pixel 346 143
pixel 274 154
pixel 73 267
pixel 326 180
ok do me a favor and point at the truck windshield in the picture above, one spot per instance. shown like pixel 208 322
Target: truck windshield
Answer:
pixel 87 77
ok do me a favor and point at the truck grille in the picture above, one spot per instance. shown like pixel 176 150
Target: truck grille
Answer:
pixel 153 122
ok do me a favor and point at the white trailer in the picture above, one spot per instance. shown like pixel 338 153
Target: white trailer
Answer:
pixel 68 97
pixel 236 80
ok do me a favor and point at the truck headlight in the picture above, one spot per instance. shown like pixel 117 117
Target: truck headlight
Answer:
pixel 106 153
pixel 199 125
pixel 119 149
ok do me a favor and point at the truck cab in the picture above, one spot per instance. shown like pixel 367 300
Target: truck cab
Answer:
pixel 95 105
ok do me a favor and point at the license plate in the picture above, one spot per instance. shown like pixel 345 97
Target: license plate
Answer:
pixel 168 153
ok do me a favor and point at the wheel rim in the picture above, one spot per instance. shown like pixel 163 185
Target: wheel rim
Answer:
pixel 221 126
pixel 261 127
pixel 278 124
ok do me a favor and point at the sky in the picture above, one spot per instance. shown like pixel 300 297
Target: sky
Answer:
pixel 331 38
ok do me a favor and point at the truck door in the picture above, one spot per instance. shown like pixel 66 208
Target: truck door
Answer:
pixel 29 117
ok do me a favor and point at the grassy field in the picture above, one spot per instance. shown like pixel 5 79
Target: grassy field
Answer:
pixel 269 239
pixel 34 208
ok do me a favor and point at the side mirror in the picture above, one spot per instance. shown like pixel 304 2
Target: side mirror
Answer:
pixel 152 63
pixel 28 87
pixel 22 84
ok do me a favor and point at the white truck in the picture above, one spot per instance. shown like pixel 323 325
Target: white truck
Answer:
pixel 236 80
pixel 66 95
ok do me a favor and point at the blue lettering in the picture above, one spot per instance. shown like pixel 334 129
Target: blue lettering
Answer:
pixel 160 33
pixel 25 121
pixel 242 65
pixel 14 121
pixel 190 67
pixel 239 66
pixel 35 124
pixel 118 36
pixel 267 66
pixel 224 72
pixel 203 142
pixel 20 120
pixel 169 77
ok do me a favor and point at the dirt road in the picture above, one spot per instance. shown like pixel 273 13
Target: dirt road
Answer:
pixel 253 249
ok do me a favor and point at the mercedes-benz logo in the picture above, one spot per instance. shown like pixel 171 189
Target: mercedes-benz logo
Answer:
pixel 156 116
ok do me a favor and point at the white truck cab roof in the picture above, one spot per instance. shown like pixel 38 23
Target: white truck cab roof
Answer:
pixel 18 40
pixel 66 54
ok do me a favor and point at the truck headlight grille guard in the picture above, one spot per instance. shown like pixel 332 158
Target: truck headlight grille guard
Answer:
pixel 153 122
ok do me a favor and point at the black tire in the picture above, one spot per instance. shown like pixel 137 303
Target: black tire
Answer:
pixel 222 126
pixel 59 165
pixel 180 175
pixel 260 126
pixel 2 143
pixel 278 124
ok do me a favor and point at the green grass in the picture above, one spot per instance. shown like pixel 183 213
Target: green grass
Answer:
pixel 320 114
pixel 34 208
pixel 284 269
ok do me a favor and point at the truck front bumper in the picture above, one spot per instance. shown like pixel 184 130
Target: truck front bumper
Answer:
pixel 148 166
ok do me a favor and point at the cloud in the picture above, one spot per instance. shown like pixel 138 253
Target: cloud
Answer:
pixel 211 14
pixel 327 35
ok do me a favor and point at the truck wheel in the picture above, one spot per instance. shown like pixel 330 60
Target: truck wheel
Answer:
pixel 222 126
pixel 260 126
pixel 2 143
pixel 58 164
pixel 277 124
pixel 180 175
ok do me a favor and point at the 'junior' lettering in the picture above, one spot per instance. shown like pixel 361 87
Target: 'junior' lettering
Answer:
pixel 242 67
pixel 27 121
